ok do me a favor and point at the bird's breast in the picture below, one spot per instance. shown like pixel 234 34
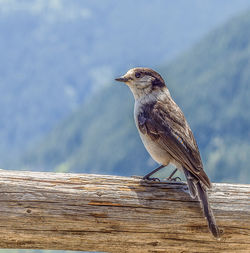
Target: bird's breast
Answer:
pixel 153 147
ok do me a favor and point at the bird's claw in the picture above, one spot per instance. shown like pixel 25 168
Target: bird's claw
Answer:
pixel 173 179
pixel 152 179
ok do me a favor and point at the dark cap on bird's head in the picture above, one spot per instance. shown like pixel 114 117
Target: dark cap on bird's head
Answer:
pixel 142 77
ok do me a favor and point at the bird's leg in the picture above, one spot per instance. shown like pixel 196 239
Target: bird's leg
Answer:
pixel 171 175
pixel 147 177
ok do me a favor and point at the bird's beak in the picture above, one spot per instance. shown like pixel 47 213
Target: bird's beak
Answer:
pixel 122 79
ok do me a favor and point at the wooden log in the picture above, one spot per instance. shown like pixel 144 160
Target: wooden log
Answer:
pixel 117 214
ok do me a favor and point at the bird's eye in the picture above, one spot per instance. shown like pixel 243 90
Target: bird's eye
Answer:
pixel 137 75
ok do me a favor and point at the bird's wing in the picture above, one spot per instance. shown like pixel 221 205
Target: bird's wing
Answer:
pixel 166 124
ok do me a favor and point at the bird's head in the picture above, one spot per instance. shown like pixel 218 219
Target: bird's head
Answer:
pixel 142 81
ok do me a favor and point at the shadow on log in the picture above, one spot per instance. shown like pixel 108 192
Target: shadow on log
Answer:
pixel 117 214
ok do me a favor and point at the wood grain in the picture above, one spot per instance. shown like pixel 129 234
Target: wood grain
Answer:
pixel 117 214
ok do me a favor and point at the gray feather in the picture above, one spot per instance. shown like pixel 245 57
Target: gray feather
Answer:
pixel 191 181
pixel 197 188
pixel 202 194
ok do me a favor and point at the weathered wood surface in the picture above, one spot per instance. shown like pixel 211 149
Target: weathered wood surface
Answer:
pixel 117 214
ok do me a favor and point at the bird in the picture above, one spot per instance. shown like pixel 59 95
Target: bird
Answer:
pixel 167 135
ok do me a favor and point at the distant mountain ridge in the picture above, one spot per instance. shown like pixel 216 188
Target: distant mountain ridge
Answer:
pixel 55 54
pixel 210 82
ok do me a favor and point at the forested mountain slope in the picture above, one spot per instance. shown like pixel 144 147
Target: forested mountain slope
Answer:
pixel 210 82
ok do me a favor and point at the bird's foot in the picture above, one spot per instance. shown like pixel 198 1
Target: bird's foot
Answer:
pixel 174 179
pixel 148 176
pixel 151 179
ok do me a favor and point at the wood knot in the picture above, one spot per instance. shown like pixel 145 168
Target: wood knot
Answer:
pixel 153 243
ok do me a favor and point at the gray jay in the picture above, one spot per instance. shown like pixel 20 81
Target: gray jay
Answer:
pixel 166 134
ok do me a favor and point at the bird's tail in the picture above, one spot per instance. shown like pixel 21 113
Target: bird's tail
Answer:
pixel 197 188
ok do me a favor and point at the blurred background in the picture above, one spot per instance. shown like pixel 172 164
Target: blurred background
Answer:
pixel 61 109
